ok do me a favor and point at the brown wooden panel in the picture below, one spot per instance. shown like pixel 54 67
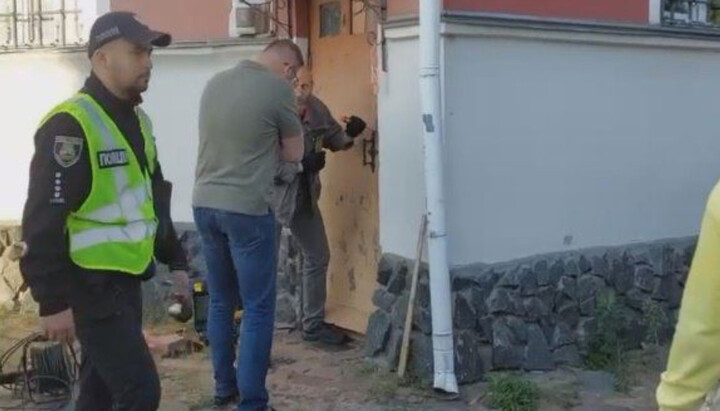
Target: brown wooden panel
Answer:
pixel 342 66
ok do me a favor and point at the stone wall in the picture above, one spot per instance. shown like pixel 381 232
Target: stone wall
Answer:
pixel 157 292
pixel 532 314
pixel 288 281
pixel 536 313
pixel 14 295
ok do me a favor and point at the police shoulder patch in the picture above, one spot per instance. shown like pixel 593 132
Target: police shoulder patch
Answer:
pixel 67 150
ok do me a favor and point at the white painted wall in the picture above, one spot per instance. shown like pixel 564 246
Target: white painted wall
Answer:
pixel 32 83
pixel 173 102
pixel 606 144
pixel 400 144
pixel 91 10
pixel 654 11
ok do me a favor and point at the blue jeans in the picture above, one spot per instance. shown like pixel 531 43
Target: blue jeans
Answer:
pixel 240 253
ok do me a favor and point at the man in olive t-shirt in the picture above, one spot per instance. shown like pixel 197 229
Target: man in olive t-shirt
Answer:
pixel 248 122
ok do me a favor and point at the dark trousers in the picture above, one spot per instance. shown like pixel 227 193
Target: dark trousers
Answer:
pixel 117 370
pixel 308 229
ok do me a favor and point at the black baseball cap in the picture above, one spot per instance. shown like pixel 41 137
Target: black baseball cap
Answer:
pixel 124 25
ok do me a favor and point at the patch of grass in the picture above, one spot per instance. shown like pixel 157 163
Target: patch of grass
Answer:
pixel 609 348
pixel 606 344
pixel 382 384
pixel 383 387
pixel 366 368
pixel 200 402
pixel 561 394
pixel 412 381
pixel 508 392
pixel 655 319
pixel 623 373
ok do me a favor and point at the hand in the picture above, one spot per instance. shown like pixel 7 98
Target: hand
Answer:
pixel 181 310
pixel 314 162
pixel 354 126
pixel 16 251
pixel 59 327
pixel 181 287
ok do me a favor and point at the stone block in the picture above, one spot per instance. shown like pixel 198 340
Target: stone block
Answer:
pixel 422 319
pixel 421 356
pixel 383 299
pixel 502 302
pixel 528 282
pixel 584 265
pixel 542 273
pixel 567 355
pixel 399 311
pixel 469 366
pixel 464 316
pixel 538 356
pixel 562 336
pixel 600 267
pixel 377 334
pixel 644 278
pixel 535 309
pixel 567 289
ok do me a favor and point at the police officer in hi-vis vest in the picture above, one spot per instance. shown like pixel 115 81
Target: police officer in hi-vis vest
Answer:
pixel 97 216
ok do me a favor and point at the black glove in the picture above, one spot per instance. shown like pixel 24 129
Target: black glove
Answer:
pixel 355 126
pixel 313 162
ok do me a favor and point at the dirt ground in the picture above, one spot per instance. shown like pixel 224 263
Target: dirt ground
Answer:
pixel 309 377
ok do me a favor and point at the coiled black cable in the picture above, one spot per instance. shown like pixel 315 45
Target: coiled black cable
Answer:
pixel 45 375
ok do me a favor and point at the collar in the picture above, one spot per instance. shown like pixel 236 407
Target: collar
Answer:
pixel 96 89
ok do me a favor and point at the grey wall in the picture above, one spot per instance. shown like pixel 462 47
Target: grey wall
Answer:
pixel 555 142
pixel 401 178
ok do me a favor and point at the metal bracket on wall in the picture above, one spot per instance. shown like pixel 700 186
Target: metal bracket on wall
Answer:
pixel 370 150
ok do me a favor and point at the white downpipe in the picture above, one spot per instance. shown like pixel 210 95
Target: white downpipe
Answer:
pixel 440 297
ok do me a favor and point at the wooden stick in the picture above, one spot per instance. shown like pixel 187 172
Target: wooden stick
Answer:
pixel 404 350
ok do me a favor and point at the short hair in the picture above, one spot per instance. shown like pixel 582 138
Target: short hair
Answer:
pixel 287 46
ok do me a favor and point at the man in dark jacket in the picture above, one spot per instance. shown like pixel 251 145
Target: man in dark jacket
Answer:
pixel 307 226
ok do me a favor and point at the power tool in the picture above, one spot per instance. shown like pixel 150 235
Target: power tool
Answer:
pixel 201 302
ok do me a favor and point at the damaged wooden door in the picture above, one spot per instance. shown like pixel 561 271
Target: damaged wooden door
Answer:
pixel 342 54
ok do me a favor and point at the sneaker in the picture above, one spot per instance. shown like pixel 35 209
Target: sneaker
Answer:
pixel 326 334
pixel 221 402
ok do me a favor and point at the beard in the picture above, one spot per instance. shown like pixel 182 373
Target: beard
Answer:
pixel 139 87
pixel 142 83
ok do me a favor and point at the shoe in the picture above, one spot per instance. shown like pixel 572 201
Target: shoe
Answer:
pixel 221 402
pixel 326 334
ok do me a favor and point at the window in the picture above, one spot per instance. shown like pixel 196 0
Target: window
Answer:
pixel 330 19
pixel 39 23
pixel 691 12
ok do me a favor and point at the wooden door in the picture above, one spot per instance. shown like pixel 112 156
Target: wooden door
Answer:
pixel 342 62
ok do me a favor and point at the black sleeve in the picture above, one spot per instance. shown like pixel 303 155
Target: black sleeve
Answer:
pixel 334 138
pixel 60 180
pixel 168 249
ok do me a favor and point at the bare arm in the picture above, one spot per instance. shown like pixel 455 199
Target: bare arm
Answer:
pixel 292 148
